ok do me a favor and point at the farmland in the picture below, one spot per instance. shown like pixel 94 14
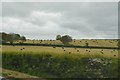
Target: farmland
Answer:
pixel 59 50
pixel 94 42
pixel 63 62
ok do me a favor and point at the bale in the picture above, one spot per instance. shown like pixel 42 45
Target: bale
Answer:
pixel 54 47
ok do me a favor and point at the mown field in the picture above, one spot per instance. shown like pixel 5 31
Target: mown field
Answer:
pixel 61 50
pixel 98 43
pixel 63 62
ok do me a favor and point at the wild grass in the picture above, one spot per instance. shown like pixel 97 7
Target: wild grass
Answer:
pixel 62 65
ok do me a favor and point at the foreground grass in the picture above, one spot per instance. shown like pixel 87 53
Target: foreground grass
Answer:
pixel 62 65
pixel 17 75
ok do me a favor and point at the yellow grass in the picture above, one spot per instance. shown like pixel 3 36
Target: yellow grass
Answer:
pixel 101 43
pixel 59 50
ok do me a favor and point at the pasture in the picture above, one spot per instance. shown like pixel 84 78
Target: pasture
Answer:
pixel 61 50
pixel 63 62
pixel 82 42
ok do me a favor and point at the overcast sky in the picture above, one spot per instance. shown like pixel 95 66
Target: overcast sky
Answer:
pixel 81 20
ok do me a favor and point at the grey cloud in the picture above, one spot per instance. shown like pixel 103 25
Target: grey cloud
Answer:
pixel 82 19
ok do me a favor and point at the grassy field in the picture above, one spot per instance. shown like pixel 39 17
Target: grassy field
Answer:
pixel 74 51
pixel 63 62
pixel 100 43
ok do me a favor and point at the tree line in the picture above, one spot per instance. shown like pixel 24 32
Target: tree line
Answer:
pixel 11 37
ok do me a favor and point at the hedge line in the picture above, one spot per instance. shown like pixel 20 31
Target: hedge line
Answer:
pixel 70 46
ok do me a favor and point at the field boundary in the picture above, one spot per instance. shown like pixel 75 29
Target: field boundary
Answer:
pixel 28 44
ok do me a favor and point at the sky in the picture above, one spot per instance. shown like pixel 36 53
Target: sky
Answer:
pixel 45 20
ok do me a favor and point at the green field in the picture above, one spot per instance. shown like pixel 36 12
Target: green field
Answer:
pixel 58 62
pixel 100 43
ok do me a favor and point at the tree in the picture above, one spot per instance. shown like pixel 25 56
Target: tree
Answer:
pixel 23 39
pixel 12 37
pixel 16 37
pixel 58 37
pixel 4 37
pixel 66 39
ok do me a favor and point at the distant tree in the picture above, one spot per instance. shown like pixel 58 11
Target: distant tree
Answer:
pixel 17 37
pixel 66 39
pixel 58 37
pixel 4 37
pixel 11 37
pixel 23 39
